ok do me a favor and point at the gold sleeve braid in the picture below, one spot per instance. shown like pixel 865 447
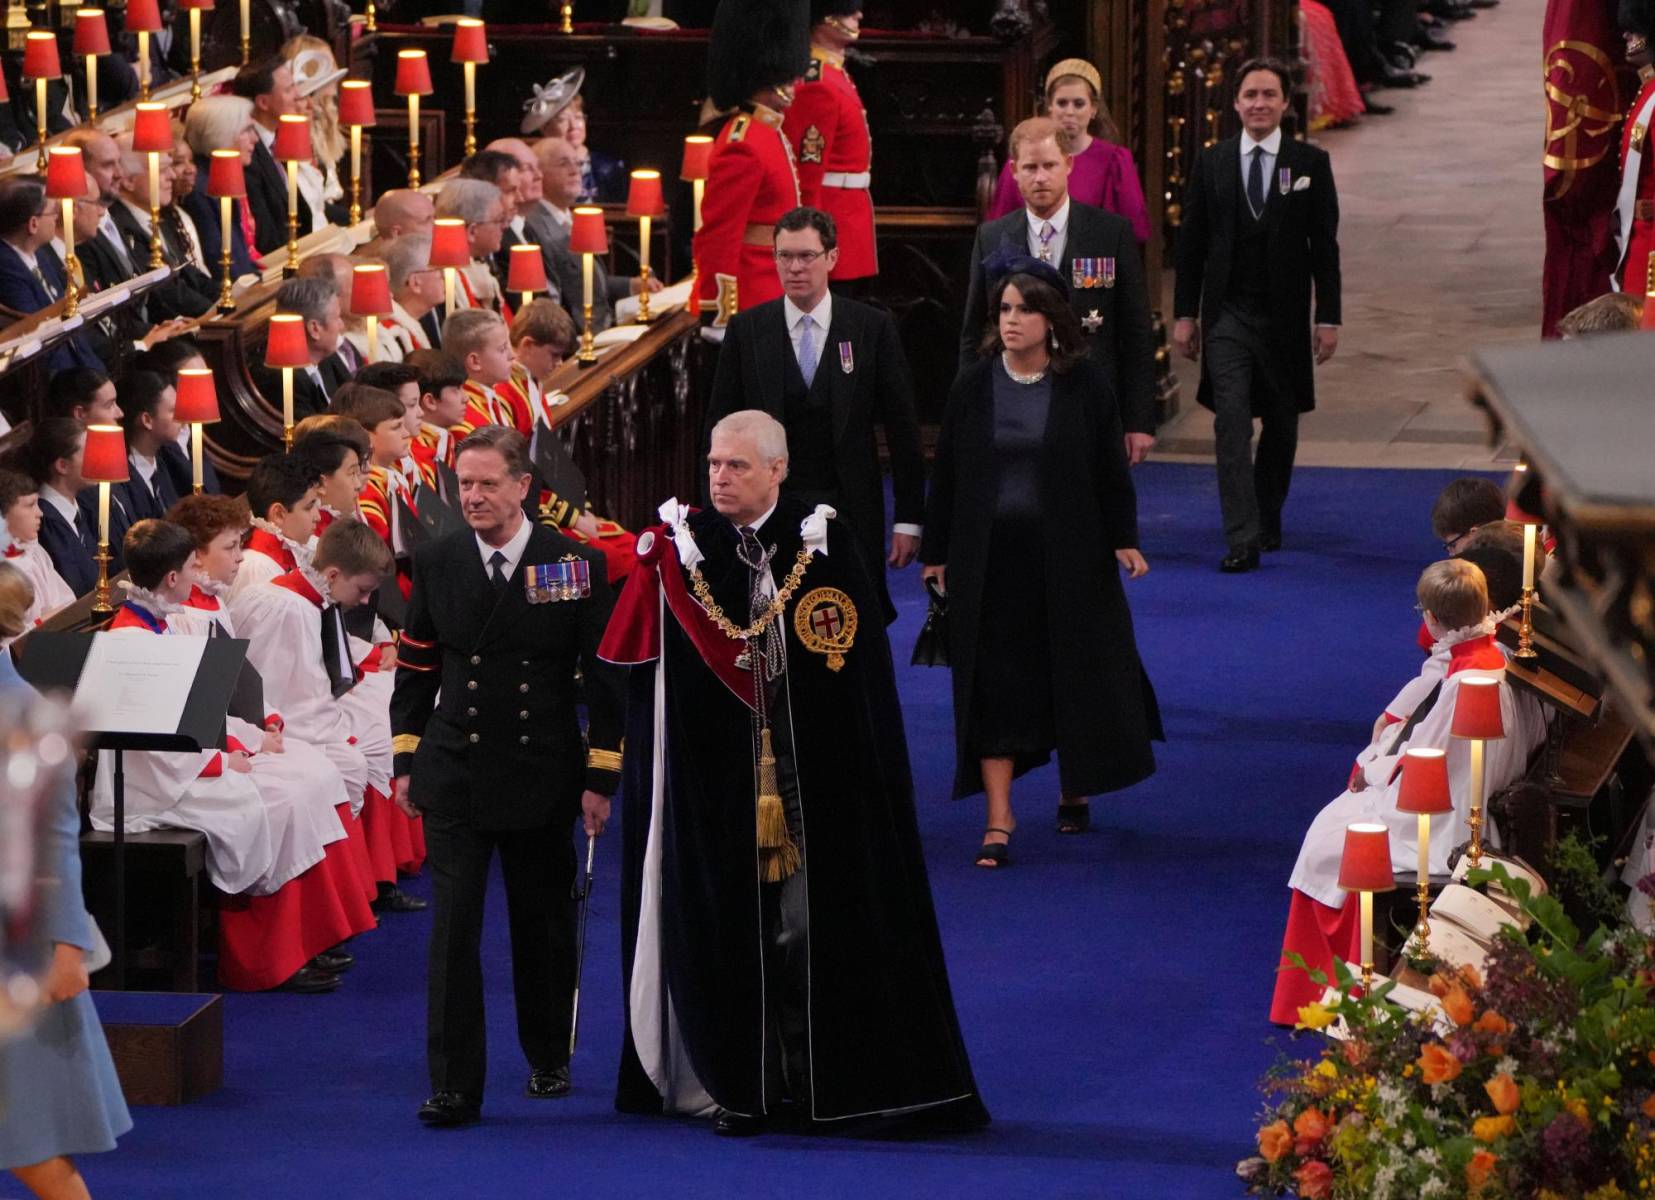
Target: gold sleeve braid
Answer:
pixel 405 743
pixel 603 760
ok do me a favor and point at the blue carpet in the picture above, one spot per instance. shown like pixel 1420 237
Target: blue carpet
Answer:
pixel 1112 988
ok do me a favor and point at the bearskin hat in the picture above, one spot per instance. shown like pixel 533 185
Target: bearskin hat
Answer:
pixel 755 44
pixel 1637 16
pixel 821 10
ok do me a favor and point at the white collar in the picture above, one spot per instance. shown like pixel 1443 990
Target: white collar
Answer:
pixel 822 314
pixel 562 216
pixel 141 215
pixel 1271 144
pixel 1059 219
pixel 146 466
pixel 513 549
pixel 156 606
pixel 65 506
pixel 267 136
pixel 29 260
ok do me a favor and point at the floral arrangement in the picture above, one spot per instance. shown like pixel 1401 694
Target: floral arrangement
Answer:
pixel 1534 1080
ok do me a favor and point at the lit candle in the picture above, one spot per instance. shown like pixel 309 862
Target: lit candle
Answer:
pixel 91 87
pixel 586 275
pixel 287 406
pixel 154 180
pixel 373 338
pixel 1529 533
pixel 103 514
pixel 1367 929
pixel 143 64
pixel 700 188
pixel 470 87
pixel 448 286
pixel 195 38
pixel 1424 847
pixel 413 134
pixel 246 21
pixel 1476 791
pixel 356 152
pixel 292 186
pixel 195 452
pixel 223 208
pixel 643 249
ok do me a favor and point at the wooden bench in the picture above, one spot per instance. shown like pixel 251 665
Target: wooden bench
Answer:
pixel 163 878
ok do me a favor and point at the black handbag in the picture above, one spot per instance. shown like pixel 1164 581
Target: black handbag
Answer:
pixel 931 647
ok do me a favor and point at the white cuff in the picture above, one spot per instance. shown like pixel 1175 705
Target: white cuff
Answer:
pixel 910 530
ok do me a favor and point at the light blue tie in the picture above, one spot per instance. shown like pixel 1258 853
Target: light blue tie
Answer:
pixel 807 349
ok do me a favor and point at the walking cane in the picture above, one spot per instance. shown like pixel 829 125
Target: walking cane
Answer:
pixel 581 890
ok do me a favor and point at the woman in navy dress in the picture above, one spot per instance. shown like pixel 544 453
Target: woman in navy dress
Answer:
pixel 58 1092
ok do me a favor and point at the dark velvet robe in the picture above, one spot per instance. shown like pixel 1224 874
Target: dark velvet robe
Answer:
pixel 884 1041
pixel 1106 712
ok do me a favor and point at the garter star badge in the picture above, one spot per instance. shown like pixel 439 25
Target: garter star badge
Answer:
pixel 825 622
pixel 1093 321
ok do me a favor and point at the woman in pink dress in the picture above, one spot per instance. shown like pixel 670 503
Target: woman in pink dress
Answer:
pixel 1335 99
pixel 1103 174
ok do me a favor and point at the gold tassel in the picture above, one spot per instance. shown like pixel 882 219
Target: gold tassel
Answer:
pixel 779 857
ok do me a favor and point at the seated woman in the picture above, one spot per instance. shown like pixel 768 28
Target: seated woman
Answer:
pixel 1320 925
pixel 176 223
pixel 316 81
pixel 221 123
pixel 61 1064
pixel 1031 517
pixel 1103 174
pixel 558 111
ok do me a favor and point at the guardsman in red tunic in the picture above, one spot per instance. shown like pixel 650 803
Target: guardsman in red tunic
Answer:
pixel 1634 222
pixel 759 49
pixel 828 130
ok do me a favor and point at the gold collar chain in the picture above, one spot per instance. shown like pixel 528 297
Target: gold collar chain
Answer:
pixel 771 611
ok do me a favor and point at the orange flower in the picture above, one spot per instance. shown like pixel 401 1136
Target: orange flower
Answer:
pixel 1492 1022
pixel 1472 980
pixel 1458 1006
pixel 1649 1108
pixel 1502 1092
pixel 1309 1128
pixel 1439 985
pixel 1437 1064
pixel 1577 1108
pixel 1488 1129
pixel 1314 1180
pixel 1274 1140
pixel 1478 1170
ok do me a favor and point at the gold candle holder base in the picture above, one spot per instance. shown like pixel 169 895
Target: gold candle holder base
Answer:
pixel 246 49
pixel 470 132
pixel 102 601
pixel 568 25
pixel 644 315
pixel 195 77
pixel 587 356
pixel 156 256
pixel 1525 631
pixel 1367 979
pixel 356 201
pixel 71 293
pixel 1422 930
pixel 226 291
pixel 1474 854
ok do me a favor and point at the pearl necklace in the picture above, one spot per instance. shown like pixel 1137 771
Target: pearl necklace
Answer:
pixel 1017 377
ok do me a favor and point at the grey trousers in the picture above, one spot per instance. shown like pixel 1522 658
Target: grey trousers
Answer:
pixel 1251 488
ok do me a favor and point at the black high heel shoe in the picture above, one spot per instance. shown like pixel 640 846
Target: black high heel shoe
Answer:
pixel 1073 818
pixel 992 856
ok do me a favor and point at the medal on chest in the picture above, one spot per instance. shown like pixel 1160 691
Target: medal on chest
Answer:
pixel 570 578
pixel 1092 272
pixel 825 623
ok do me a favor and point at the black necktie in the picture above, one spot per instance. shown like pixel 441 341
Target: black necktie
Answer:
pixel 497 570
pixel 431 322
pixel 335 658
pixel 1255 183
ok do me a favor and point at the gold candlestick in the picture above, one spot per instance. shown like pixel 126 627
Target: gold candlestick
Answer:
pixel 91 87
pixel 644 315
pixel 356 173
pixel 1525 631
pixel 470 108
pixel 568 25
pixel 246 31
pixel 143 64
pixel 226 299
pixel 155 256
pixel 71 264
pixel 101 602
pixel 196 452
pixel 1422 930
pixel 413 140
pixel 40 124
pixel 292 266
pixel 287 408
pixel 588 354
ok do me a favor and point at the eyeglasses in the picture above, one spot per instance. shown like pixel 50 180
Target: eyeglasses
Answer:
pixel 1451 544
pixel 1420 609
pixel 490 221
pixel 803 258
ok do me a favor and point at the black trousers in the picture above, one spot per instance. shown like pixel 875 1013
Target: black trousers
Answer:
pixel 538 867
pixel 785 914
pixel 1252 488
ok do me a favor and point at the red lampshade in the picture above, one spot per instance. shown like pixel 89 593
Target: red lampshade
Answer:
pixel 1424 783
pixel 224 174
pixel 40 58
pixel 285 344
pixel 91 31
pixel 292 142
pixel 470 41
pixel 698 152
pixel 1477 708
pixel 588 236
pixel 197 397
pixel 1365 865
pixel 370 290
pixel 450 246
pixel 203 5
pixel 152 129
pixel 413 73
pixel 65 173
pixel 143 16
pixel 527 272
pixel 643 198
pixel 356 103
pixel 1649 293
pixel 5 92
pixel 105 458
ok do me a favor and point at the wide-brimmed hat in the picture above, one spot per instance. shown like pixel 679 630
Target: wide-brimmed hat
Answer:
pixel 551 99
pixel 313 70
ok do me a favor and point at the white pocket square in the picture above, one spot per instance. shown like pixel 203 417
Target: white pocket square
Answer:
pixel 1301 183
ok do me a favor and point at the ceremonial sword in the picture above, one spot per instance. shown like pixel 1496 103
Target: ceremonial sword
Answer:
pixel 581 891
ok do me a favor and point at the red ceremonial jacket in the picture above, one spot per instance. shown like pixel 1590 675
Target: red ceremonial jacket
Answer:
pixel 1633 274
pixel 828 129
pixel 751 182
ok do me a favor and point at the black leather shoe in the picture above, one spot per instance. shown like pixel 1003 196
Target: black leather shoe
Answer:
pixel 445 1110
pixel 549 1084
pixel 1373 109
pixel 1401 79
pixel 1431 37
pixel 731 1124
pixel 1235 564
pixel 335 962
pixel 395 900
pixel 310 981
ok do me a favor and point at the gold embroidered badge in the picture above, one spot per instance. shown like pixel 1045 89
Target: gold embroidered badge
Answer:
pixel 825 623
pixel 812 145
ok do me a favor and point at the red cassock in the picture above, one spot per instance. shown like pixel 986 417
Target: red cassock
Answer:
pixel 828 130
pixel 751 183
pixel 1636 202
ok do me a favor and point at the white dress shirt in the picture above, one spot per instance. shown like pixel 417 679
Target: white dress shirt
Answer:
pixel 145 468
pixel 513 550
pixel 1059 222
pixel 65 505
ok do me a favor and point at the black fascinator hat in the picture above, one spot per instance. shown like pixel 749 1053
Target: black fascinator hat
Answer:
pixel 1008 261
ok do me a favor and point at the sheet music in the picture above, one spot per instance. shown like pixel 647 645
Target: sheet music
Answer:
pixel 137 684
pixel 668 299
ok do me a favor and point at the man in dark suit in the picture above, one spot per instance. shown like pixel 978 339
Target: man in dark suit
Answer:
pixel 54 458
pixel 1097 252
pixel 1260 230
pixel 316 299
pixel 190 292
pixel 30 280
pixel 269 85
pixel 151 489
pixel 830 368
pixel 489 749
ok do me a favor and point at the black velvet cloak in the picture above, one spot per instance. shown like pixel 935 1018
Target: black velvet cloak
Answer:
pixel 883 1037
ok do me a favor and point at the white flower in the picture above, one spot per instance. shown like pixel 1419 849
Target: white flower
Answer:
pixel 1508 1065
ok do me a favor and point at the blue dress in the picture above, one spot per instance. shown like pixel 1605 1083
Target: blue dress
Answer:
pixel 58 1091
